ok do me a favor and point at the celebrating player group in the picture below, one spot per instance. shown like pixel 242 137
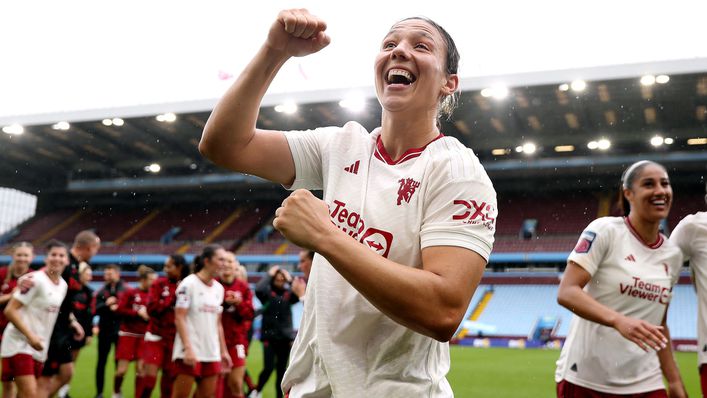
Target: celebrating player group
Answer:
pixel 172 324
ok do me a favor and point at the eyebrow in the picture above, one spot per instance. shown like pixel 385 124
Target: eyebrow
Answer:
pixel 417 32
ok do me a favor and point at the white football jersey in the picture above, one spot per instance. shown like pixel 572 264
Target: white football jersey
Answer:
pixel 40 308
pixel 690 236
pixel 204 304
pixel 632 278
pixel 438 195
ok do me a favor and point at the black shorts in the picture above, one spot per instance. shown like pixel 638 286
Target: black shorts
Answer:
pixel 77 344
pixel 59 353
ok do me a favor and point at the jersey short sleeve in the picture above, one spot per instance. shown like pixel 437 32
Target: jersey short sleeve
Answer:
pixel 592 246
pixel 461 213
pixel 683 235
pixel 306 149
pixel 25 295
pixel 183 293
pixel 460 209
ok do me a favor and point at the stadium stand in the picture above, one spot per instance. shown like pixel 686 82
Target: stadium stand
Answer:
pixel 514 309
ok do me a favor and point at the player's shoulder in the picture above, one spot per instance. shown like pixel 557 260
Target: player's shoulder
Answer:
pixel 693 219
pixel 607 224
pixel 450 157
pixel 349 134
pixel 350 128
pixel 189 280
pixel 161 281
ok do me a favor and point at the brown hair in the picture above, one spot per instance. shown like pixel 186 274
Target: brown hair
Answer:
pixel 85 238
pixel 143 271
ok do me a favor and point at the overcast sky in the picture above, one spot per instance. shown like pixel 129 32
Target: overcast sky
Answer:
pixel 60 58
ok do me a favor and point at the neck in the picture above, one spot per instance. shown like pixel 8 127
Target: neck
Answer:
pixel 401 132
pixel 76 255
pixel 204 275
pixel 228 280
pixel 53 276
pixel 18 270
pixel 647 230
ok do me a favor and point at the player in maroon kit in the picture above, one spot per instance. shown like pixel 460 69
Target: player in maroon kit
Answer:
pixel 22 255
pixel 156 351
pixel 132 307
pixel 236 317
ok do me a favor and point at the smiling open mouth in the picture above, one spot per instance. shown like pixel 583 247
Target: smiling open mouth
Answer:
pixel 400 76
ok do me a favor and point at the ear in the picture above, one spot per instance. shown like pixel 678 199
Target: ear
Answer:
pixel 628 194
pixel 450 84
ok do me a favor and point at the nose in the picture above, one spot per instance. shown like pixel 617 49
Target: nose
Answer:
pixel 400 51
pixel 660 190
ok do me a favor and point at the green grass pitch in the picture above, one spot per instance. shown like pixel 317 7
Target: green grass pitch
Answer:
pixel 475 372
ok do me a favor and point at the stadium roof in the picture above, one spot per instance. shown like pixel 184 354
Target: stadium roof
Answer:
pixel 115 154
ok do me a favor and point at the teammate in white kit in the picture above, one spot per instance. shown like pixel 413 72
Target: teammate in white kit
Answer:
pixel 406 224
pixel 32 312
pixel 690 236
pixel 199 347
pixel 618 282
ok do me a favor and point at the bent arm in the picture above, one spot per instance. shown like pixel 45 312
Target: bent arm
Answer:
pixel 158 304
pixel 125 306
pixel 572 296
pixel 12 313
pixel 230 138
pixel 245 309
pixel 262 289
pixel 430 300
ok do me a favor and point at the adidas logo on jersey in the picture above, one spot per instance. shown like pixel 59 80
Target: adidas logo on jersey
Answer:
pixel 353 168
pixel 631 258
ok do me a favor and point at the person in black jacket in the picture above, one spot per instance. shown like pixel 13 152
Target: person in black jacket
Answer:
pixel 82 309
pixel 277 333
pixel 105 304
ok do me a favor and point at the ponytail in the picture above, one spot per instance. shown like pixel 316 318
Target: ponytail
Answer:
pixel 208 252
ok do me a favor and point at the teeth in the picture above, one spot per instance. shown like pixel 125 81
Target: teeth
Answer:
pixel 399 72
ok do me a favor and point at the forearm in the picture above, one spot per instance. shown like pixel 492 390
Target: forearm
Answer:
pixel 575 299
pixel 13 316
pixel 667 361
pixel 231 125
pixel 434 307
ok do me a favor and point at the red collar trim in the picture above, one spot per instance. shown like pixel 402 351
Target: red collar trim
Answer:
pixel 658 242
pixel 382 155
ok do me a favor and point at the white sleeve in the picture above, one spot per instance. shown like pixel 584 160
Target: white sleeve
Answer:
pixel 592 246
pixel 682 237
pixel 307 149
pixel 183 293
pixel 25 296
pixel 461 212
